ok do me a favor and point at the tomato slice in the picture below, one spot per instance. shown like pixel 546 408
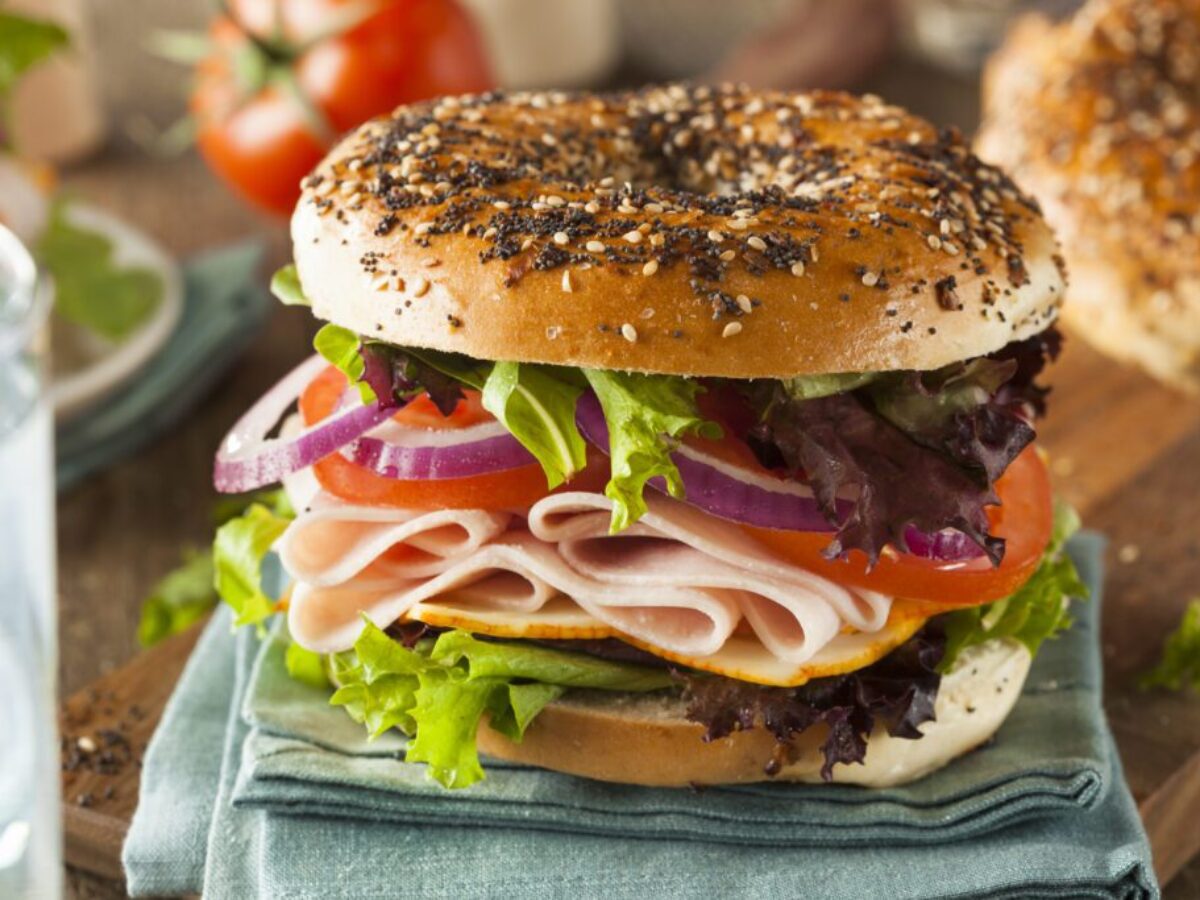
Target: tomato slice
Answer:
pixel 1024 519
pixel 511 489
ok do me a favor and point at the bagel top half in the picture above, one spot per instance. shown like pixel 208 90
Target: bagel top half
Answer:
pixel 681 230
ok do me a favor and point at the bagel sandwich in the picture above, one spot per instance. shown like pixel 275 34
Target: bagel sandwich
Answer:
pixel 673 437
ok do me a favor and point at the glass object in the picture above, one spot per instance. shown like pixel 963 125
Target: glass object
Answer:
pixel 30 829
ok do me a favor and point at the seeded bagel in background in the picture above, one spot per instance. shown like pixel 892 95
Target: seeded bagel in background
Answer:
pixel 597 231
pixel 1099 117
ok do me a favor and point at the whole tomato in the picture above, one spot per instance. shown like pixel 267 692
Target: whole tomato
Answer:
pixel 284 77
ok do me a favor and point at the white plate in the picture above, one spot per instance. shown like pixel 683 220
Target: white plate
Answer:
pixel 101 365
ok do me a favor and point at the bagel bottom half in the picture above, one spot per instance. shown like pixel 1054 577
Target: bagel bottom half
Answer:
pixel 645 738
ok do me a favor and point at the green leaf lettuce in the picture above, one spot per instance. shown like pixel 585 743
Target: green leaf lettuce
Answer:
pixel 1038 610
pixel 438 691
pixel 1180 663
pixel 646 416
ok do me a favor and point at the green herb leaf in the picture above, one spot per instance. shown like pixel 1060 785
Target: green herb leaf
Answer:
pixel 90 288
pixel 182 597
pixel 24 42
pixel 1180 663
pixel 305 666
pixel 1038 610
pixel 537 405
pixel 341 347
pixel 471 372
pixel 497 659
pixel 646 416
pixel 285 285
pixel 439 691
pixel 810 387
pixel 238 553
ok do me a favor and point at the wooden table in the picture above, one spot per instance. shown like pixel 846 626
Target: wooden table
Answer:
pixel 122 529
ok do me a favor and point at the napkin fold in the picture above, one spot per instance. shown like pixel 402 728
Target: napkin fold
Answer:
pixel 250 790
pixel 223 310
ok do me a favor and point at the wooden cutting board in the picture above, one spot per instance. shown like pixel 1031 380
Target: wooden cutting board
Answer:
pixel 1124 450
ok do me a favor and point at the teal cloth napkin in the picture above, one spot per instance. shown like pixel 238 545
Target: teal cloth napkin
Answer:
pixel 222 313
pixel 236 805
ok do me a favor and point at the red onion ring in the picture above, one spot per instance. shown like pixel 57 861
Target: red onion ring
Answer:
pixel 728 492
pixel 425 454
pixel 247 460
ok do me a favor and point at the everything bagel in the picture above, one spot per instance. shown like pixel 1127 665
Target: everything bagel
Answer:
pixel 679 230
pixel 1099 117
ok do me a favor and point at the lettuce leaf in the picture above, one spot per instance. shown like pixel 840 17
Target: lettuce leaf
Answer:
pixel 810 387
pixel 537 405
pixel 646 415
pixel 1180 663
pixel 340 347
pixel 915 448
pixel 1038 610
pixel 25 42
pixel 285 285
pixel 187 593
pixel 396 376
pixel 305 666
pixel 438 691
pixel 91 288
pixel 180 598
pixel 238 552
pixel 899 691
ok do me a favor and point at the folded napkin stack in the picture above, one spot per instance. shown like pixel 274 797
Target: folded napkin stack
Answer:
pixel 255 787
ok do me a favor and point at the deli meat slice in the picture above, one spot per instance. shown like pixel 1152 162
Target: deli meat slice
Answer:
pixel 678 580
pixel 334 541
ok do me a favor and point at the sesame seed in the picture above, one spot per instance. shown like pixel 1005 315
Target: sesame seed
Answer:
pixel 812 253
pixel 633 237
pixel 592 207
pixel 555 200
pixel 561 238
pixel 489 233
pixel 420 286
pixel 950 248
pixel 944 227
pixel 431 262
pixel 756 242
pixel 798 268
pixel 870 279
pixel 650 268
pixel 739 224
pixel 744 303
pixel 629 333
pixel 502 205
pixel 86 744
pixel 657 240
pixel 653 208
pixel 715 236
pixel 595 247
pixel 566 281
pixel 727 255
pixel 731 329
pixel 423 228
pixel 935 242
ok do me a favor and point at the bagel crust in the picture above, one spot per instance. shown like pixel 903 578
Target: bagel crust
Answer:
pixel 1099 117
pixel 642 739
pixel 681 230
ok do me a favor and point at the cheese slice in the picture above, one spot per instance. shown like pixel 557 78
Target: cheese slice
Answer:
pixel 742 656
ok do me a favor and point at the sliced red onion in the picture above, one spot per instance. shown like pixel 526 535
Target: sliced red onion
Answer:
pixel 247 460
pixel 738 495
pixel 409 453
